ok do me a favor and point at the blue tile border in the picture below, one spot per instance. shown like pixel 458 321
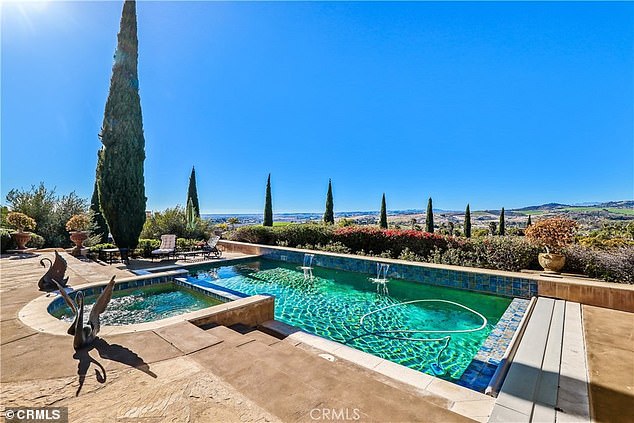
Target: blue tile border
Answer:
pixel 218 294
pixel 502 285
pixel 481 369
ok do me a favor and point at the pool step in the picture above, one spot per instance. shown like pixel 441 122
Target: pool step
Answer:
pixel 277 329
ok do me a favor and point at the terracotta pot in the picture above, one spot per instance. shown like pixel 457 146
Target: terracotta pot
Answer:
pixel 78 237
pixel 552 262
pixel 21 238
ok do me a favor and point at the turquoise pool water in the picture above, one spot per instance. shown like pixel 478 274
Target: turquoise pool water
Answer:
pixel 145 304
pixel 332 303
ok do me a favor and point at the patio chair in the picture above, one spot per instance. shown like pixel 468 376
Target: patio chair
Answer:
pixel 167 248
pixel 211 247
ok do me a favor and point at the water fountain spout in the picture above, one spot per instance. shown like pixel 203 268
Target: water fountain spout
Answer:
pixel 381 278
pixel 308 266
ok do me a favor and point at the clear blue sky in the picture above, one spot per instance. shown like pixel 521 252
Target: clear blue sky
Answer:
pixel 496 104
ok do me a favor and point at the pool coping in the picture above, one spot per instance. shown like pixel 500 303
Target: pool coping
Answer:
pixel 35 313
pixel 216 262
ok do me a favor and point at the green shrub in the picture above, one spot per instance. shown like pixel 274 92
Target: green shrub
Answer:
pixel 173 221
pixel 146 246
pixel 378 241
pixel 36 241
pixel 611 236
pixel 256 234
pixel 7 242
pixel 615 265
pixel 499 253
pixel 50 211
pixel 406 254
pixel 186 243
pixel 507 253
pixel 332 247
pixel 308 233
pixel 98 247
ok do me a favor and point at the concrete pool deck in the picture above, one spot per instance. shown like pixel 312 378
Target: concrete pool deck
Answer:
pixel 183 372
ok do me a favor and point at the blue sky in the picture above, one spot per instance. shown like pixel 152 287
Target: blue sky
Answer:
pixel 496 104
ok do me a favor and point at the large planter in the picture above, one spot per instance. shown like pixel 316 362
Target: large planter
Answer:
pixel 78 237
pixel 21 238
pixel 552 262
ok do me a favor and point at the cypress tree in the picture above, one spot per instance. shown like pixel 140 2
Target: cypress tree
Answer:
pixel 100 227
pixel 467 222
pixel 329 215
pixel 190 215
pixel 268 205
pixel 192 193
pixel 383 216
pixel 501 225
pixel 120 177
pixel 528 223
pixel 429 218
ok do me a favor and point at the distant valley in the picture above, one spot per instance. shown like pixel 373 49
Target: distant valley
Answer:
pixel 589 215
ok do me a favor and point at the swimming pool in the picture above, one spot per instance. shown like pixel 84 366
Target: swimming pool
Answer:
pixel 144 304
pixel 331 304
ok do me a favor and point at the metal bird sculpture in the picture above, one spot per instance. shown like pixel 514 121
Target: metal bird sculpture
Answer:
pixel 85 334
pixel 71 304
pixel 55 273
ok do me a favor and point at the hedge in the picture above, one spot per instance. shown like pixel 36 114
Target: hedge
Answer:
pixel 512 253
pixel 614 265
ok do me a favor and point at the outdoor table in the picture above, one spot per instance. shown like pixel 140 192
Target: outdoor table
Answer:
pixel 110 252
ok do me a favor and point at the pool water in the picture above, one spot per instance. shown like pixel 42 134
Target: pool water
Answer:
pixel 144 305
pixel 332 303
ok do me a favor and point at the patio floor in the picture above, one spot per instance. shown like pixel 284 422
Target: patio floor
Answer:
pixel 610 345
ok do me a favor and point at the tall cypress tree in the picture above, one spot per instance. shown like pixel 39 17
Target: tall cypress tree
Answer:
pixel 192 193
pixel 190 215
pixel 268 205
pixel 429 218
pixel 502 228
pixel 329 215
pixel 467 222
pixel 528 223
pixel 120 179
pixel 383 216
pixel 100 227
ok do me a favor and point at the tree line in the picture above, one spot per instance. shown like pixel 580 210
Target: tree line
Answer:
pixel 329 216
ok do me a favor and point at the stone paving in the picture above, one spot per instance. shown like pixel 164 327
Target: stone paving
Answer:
pixel 610 343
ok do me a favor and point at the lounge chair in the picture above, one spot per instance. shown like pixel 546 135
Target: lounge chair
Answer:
pixel 167 248
pixel 211 247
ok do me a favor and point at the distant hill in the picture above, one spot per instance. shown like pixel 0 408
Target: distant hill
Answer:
pixel 589 214
pixel 548 206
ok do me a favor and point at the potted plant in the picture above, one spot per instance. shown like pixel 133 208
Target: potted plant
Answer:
pixel 20 222
pixel 78 226
pixel 553 235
